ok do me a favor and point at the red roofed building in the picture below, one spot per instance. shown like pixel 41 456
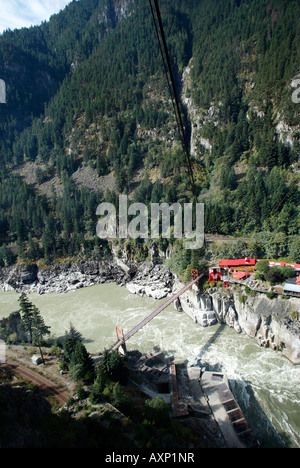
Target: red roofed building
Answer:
pixel 241 275
pixel 237 263
pixel 295 266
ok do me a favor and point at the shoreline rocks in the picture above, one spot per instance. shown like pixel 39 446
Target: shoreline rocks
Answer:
pixel 267 321
pixel 144 278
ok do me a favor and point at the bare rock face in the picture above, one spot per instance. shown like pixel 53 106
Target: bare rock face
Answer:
pixel 268 321
pixel 198 307
pixel 151 280
pixel 60 278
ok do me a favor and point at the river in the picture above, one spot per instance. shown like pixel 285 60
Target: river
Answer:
pixel 265 384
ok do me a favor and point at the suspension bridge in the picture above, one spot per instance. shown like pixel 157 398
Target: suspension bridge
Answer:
pixel 122 338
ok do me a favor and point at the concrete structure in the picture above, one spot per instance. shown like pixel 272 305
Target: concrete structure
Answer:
pixel 232 422
pixel 195 395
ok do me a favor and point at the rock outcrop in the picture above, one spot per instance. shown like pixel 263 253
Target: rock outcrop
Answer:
pixel 140 278
pixel 268 321
pixel 153 281
pixel 60 278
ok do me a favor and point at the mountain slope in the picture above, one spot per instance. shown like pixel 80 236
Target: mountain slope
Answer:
pixel 88 90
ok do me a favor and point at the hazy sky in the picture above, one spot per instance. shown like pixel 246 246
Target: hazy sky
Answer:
pixel 25 13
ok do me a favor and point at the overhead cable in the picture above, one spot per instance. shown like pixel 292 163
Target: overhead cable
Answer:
pixel 172 86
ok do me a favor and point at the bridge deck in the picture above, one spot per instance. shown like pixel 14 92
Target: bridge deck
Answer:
pixel 153 314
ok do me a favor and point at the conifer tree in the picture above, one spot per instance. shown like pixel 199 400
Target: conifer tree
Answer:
pixel 26 309
pixel 71 339
pixel 39 329
pixel 81 364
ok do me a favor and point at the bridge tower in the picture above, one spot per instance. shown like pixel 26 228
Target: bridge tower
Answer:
pixel 194 274
pixel 121 338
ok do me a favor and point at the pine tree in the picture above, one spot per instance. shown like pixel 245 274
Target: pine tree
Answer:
pixel 81 366
pixel 71 339
pixel 99 385
pixel 38 325
pixel 39 329
pixel 26 314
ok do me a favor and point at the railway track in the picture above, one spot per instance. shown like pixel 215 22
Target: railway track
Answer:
pixel 41 382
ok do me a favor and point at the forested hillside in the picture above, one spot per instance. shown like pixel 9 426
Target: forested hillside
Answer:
pixel 87 100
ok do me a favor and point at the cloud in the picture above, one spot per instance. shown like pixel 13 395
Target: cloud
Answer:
pixel 22 13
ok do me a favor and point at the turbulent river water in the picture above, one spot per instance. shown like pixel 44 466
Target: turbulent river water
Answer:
pixel 265 384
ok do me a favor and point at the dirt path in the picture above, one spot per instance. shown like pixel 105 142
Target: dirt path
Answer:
pixel 47 377
pixel 38 380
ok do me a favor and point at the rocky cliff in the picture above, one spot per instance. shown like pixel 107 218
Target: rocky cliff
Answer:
pixel 268 321
pixel 140 278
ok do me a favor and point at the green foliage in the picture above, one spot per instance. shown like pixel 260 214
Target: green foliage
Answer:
pixel 81 367
pixel 250 292
pixel 242 298
pixel 72 337
pixel 26 310
pixel 113 367
pixel 262 266
pixel 99 385
pixel 294 249
pixel 273 274
pixel 76 358
pixel 278 275
pixel 157 412
pixel 295 315
pixel 40 329
pixel 271 295
pixel 7 258
pixel 114 394
pixel 111 372
pixel 89 90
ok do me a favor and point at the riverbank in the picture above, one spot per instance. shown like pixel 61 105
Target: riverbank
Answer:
pixel 268 321
pixel 152 280
pixel 264 382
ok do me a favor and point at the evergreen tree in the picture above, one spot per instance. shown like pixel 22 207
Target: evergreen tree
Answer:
pixel 99 385
pixel 72 337
pixel 31 320
pixel 27 315
pixel 39 329
pixel 81 366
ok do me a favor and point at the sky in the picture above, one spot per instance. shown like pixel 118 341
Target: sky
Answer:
pixel 25 13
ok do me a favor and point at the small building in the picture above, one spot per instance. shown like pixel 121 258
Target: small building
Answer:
pixel 241 275
pixel 219 274
pixel 214 274
pixel 292 289
pixel 295 266
pixel 238 263
pixel 36 359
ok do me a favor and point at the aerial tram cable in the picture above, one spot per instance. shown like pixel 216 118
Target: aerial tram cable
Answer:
pixel 172 86
pixel 165 66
